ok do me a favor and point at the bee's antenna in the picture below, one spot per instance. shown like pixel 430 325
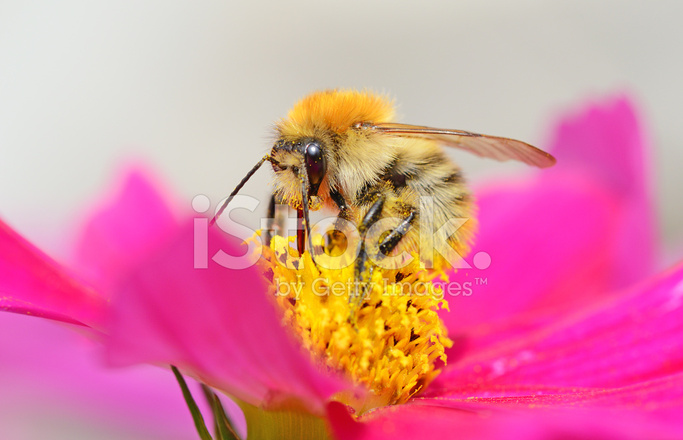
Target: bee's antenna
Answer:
pixel 240 185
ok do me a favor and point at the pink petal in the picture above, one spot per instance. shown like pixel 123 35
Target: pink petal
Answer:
pixel 660 398
pixel 468 421
pixel 623 343
pixel 215 323
pixel 32 283
pixel 548 241
pixel 123 228
pixel 568 236
pixel 608 142
pixel 49 373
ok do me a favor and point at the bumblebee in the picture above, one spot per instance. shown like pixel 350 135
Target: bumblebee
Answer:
pixel 341 149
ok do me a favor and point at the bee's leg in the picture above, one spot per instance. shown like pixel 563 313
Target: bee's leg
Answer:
pixel 372 215
pixel 388 244
pixel 273 225
pixel 336 238
pixel 363 273
pixel 394 237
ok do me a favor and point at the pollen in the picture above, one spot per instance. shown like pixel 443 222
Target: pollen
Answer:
pixel 392 342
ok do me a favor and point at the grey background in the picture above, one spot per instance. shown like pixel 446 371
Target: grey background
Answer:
pixel 193 87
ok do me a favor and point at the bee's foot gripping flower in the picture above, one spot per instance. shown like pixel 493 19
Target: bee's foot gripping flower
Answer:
pixel 393 343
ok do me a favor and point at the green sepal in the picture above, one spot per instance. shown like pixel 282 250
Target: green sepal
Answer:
pixel 192 405
pixel 224 429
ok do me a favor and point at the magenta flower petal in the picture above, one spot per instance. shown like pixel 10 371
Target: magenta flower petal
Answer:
pixel 613 371
pixel 48 372
pixel 569 235
pixel 215 323
pixel 547 246
pixel 471 421
pixel 608 142
pixel 658 399
pixel 33 284
pixel 123 228
pixel 627 341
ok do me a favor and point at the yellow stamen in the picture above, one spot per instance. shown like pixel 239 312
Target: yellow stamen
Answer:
pixel 391 343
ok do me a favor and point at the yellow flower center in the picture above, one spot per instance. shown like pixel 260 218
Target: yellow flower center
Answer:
pixel 393 342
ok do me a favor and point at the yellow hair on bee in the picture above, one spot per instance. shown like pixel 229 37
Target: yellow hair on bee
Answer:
pixel 336 110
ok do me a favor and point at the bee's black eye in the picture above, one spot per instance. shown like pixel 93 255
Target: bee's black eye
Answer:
pixel 315 164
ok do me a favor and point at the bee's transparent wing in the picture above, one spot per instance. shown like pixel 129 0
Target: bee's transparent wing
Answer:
pixel 494 147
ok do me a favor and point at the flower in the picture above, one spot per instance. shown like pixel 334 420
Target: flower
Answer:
pixel 49 373
pixel 390 341
pixel 569 331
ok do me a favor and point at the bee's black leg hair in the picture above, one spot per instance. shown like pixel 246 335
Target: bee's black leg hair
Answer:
pixel 339 200
pixel 394 237
pixel 372 215
pixel 388 244
pixel 344 214
pixel 360 268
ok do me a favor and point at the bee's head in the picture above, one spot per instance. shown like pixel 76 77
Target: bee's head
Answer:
pixel 298 162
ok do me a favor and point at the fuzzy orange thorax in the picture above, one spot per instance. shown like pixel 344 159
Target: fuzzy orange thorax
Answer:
pixel 337 110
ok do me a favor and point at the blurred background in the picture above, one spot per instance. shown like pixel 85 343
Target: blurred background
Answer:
pixel 192 89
